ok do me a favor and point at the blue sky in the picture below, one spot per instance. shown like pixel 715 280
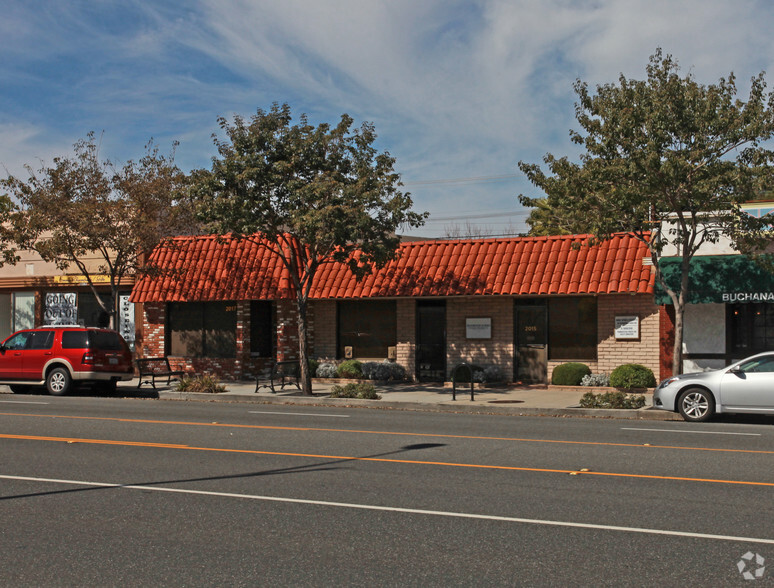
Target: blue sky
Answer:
pixel 459 91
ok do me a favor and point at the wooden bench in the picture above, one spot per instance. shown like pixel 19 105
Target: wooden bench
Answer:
pixel 281 372
pixel 151 368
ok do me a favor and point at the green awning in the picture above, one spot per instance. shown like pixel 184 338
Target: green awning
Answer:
pixel 719 278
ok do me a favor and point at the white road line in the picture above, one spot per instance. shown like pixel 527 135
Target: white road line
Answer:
pixel 340 416
pixel 684 431
pixel 21 402
pixel 438 513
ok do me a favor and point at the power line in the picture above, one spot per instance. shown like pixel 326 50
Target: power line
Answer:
pixel 471 180
pixel 495 214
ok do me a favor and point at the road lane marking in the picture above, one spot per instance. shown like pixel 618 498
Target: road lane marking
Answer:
pixel 340 416
pixel 583 472
pixel 686 431
pixel 392 433
pixel 21 402
pixel 396 509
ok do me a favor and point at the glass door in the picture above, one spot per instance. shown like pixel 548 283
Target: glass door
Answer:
pixel 531 349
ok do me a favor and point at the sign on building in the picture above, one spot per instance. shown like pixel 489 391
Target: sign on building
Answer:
pixel 478 328
pixel 61 309
pixel 126 319
pixel 627 327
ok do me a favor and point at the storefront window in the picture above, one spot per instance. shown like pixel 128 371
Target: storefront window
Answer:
pixel 202 329
pixel 262 328
pixel 751 327
pixel 368 326
pixel 572 328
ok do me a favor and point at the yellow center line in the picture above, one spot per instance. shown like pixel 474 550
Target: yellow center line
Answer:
pixel 396 433
pixel 380 460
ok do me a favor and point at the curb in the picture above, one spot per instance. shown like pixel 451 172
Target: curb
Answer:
pixel 447 406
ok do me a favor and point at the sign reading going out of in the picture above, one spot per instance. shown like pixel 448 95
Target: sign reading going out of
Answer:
pixel 61 308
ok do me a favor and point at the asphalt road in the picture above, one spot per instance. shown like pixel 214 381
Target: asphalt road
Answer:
pixel 101 491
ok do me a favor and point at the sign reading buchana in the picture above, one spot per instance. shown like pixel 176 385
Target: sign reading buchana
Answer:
pixel 627 327
pixel 748 297
pixel 478 328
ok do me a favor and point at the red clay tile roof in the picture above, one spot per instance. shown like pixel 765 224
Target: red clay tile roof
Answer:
pixel 208 268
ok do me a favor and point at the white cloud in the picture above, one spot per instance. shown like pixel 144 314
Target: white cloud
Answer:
pixel 22 144
pixel 456 88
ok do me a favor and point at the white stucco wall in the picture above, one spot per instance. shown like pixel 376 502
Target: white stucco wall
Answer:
pixel 705 332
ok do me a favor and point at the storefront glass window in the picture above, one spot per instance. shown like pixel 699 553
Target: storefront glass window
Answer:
pixel 368 326
pixel 572 328
pixel 751 327
pixel 202 329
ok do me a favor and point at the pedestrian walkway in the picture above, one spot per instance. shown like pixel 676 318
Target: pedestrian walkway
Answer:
pixel 514 400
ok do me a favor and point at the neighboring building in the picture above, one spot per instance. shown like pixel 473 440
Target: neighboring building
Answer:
pixel 522 304
pixel 729 314
pixel 34 292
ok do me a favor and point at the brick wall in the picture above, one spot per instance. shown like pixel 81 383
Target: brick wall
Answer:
pixel 612 353
pixel 499 350
pixel 151 343
pixel 325 329
pixel 667 319
pixel 407 336
pixel 484 352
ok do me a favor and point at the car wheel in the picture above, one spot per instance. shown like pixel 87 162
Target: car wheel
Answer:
pixel 696 404
pixel 58 381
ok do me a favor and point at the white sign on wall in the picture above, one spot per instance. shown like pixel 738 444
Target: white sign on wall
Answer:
pixel 627 327
pixel 478 328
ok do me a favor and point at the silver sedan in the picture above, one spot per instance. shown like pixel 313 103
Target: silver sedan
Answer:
pixel 745 386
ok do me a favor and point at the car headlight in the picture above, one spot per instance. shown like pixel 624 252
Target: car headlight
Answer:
pixel 669 381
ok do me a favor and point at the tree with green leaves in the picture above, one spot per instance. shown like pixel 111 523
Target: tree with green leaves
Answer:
pixel 309 195
pixel 83 208
pixel 668 161
pixel 8 253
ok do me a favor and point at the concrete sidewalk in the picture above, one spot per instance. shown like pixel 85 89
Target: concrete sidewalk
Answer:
pixel 513 400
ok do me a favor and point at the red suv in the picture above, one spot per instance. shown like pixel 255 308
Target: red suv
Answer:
pixel 61 358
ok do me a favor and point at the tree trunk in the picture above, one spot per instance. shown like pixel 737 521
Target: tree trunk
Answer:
pixel 679 302
pixel 303 348
pixel 677 349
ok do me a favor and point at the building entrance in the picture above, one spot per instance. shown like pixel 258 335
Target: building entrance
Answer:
pixel 531 342
pixel 431 341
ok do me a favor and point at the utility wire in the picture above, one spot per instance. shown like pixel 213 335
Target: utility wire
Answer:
pixel 471 180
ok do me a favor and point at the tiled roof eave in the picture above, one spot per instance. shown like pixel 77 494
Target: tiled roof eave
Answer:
pixel 219 269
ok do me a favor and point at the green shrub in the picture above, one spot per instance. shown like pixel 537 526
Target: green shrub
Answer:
pixel 350 368
pixel 355 390
pixel 383 371
pixel 205 383
pixel 612 400
pixel 569 374
pixel 313 364
pixel 632 375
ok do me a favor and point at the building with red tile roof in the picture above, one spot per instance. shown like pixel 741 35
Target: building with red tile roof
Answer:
pixel 522 305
